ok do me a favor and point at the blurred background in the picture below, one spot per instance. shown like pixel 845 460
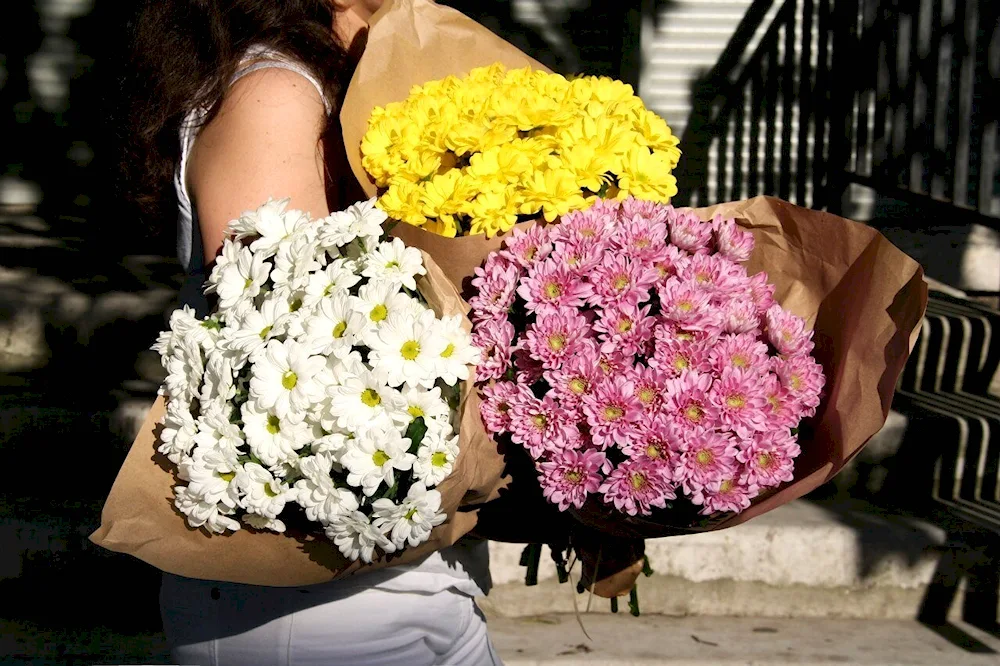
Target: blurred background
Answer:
pixel 883 111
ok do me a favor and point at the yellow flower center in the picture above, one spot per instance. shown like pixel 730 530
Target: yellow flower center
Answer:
pixel 736 401
pixel 685 306
pixel 273 424
pixel 702 278
pixel 247 283
pixel 704 457
pixel 795 381
pixel 552 290
pixel 681 363
pixel 573 476
pixel 415 411
pixel 642 243
pixel 624 325
pixel 653 451
pixel 378 313
pixel 371 398
pixel 339 329
pixel 439 459
pixel 587 233
pixel 227 476
pixel 289 380
pixel 694 413
pixel 613 413
pixel 409 514
pixel 557 341
pixel 380 458
pixel 410 350
pixel 620 282
pixel 726 486
pixel 578 385
pixel 638 480
pixel 392 264
pixel 740 361
pixel 448 351
pixel 774 402
pixel 685 336
pixel 540 421
pixel 264 332
pixel 764 460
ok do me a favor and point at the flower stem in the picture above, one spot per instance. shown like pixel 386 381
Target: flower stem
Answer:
pixel 531 557
pixel 633 601
pixel 647 570
pixel 614 604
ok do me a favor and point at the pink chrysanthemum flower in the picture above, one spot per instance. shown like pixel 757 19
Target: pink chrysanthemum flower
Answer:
pixel 538 425
pixel 673 261
pixel 707 457
pixel 782 408
pixel 650 211
pixel 768 459
pixel 739 401
pixel 569 476
pixel 527 247
pixel 555 337
pixel 734 243
pixel 613 363
pixel 626 328
pixel 579 256
pixel 674 355
pixel 498 399
pixel 688 232
pixel 611 410
pixel 494 290
pixel 637 487
pixel 724 495
pixel 494 337
pixel 715 274
pixel 739 352
pixel 761 292
pixel 619 280
pixel 550 286
pixel 642 240
pixel 786 332
pixel 581 225
pixel 577 377
pixel 687 402
pixel 650 387
pixel 689 306
pixel 803 378
pixel 740 316
pixel 657 439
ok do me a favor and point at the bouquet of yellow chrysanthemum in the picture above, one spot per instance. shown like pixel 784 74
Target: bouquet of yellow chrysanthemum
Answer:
pixel 475 155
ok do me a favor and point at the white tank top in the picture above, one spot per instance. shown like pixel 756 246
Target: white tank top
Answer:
pixel 464 566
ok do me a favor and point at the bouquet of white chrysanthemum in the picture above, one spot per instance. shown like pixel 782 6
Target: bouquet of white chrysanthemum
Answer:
pixel 321 387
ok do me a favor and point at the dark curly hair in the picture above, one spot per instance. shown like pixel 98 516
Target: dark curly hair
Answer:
pixel 182 55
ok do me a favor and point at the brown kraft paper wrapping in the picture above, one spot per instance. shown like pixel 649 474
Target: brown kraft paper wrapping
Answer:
pixel 139 517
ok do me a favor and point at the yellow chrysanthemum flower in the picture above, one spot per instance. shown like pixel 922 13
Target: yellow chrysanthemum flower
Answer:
pixel 646 175
pixel 553 192
pixel 402 201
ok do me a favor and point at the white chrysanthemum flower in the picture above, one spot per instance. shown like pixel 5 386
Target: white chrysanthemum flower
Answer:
pixel 179 429
pixel 273 223
pixel 340 275
pixel 238 275
pixel 360 220
pixel 334 327
pixel 407 349
pixel 183 323
pixel 283 378
pixel 356 537
pixel 435 458
pixel 374 457
pixel 411 521
pixel 253 328
pixel 316 492
pixel 427 404
pixel 219 383
pixel 201 512
pixel 395 262
pixel 261 523
pixel 216 431
pixel 210 474
pixel 295 259
pixel 380 298
pixel 272 439
pixel 334 231
pixel 262 494
pixel 366 219
pixel 364 398
pixel 458 353
pixel 185 369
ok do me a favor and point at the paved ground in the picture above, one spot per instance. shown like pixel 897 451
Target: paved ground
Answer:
pixel 613 641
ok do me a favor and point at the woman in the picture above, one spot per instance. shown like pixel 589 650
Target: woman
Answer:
pixel 233 103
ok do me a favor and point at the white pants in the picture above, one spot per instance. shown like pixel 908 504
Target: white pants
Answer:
pixel 224 624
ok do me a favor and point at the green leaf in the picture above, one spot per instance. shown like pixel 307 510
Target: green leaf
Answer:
pixel 415 433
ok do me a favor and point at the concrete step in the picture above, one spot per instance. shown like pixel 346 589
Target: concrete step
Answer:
pixel 559 640
pixel 806 559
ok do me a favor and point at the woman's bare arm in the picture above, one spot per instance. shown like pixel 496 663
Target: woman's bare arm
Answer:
pixel 264 142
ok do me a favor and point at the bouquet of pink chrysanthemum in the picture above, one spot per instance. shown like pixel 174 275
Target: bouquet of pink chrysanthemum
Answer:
pixel 633 357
